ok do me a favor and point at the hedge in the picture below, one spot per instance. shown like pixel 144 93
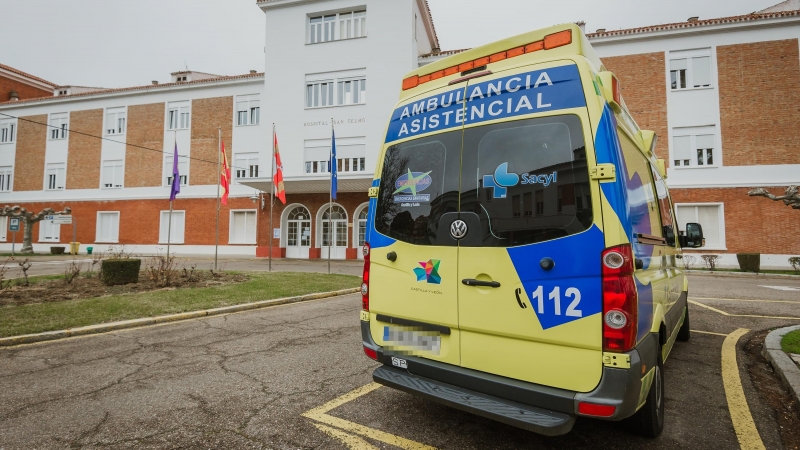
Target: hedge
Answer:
pixel 120 271
pixel 749 262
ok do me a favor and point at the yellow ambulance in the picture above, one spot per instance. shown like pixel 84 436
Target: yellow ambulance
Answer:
pixel 522 256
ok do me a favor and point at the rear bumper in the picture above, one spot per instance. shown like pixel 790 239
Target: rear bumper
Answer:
pixel 542 409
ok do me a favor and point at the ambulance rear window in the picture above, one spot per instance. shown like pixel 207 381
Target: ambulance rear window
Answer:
pixel 419 183
pixel 527 180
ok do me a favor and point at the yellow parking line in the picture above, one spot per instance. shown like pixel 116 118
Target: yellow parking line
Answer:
pixel 709 332
pixel 719 311
pixel 320 415
pixel 743 425
pixel 352 442
pixel 742 300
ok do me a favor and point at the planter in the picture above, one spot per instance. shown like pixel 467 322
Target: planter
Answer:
pixel 749 262
pixel 57 250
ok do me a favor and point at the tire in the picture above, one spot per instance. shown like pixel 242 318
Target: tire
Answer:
pixel 684 334
pixel 649 420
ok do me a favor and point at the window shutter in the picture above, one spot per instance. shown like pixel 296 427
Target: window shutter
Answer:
pixel 677 64
pixel 704 141
pixel 701 71
pixel 708 218
pixel 682 147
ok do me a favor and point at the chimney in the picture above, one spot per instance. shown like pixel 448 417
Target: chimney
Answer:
pixel 582 25
pixel 693 19
pixel 13 96
pixel 154 82
pixel 600 30
pixel 253 71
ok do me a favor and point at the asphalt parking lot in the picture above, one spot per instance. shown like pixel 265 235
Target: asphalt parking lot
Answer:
pixel 295 376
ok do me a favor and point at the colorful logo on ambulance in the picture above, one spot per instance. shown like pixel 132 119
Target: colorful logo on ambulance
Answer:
pixel 502 180
pixel 410 184
pixel 429 271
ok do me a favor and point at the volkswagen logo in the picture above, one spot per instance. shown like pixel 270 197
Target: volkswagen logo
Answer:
pixel 458 229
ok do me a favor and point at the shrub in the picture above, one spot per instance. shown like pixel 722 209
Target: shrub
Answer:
pixel 795 262
pixel 120 271
pixel 162 270
pixel 749 262
pixel 710 261
pixel 688 261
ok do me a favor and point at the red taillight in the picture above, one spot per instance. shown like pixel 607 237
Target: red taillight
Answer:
pixel 620 301
pixel 593 409
pixel 365 281
pixel 371 353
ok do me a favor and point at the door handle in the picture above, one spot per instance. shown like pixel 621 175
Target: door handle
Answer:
pixel 474 282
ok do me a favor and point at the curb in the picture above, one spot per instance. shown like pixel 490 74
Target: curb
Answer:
pixel 740 274
pixel 781 362
pixel 136 323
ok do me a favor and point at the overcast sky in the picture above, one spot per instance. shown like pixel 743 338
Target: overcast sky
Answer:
pixel 127 43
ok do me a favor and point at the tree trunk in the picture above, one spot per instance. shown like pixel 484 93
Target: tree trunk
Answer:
pixel 27 240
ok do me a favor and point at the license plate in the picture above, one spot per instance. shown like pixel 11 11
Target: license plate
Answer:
pixel 414 340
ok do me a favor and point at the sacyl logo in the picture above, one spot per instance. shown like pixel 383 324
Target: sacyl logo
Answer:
pixel 503 179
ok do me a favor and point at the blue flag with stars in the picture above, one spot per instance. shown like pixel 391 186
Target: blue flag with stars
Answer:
pixel 332 164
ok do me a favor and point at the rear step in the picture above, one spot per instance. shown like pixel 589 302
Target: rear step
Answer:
pixel 531 418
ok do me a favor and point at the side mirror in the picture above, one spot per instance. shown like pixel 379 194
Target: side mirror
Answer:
pixel 694 235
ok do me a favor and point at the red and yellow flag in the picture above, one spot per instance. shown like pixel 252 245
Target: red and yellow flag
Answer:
pixel 277 180
pixel 224 176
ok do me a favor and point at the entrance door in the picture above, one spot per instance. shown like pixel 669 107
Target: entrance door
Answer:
pixel 334 232
pixel 298 233
pixel 361 231
pixel 529 300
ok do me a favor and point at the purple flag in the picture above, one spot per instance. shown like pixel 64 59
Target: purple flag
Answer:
pixel 176 176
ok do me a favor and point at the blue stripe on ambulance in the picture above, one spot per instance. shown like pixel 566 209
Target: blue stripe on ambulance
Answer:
pixel 634 218
pixel 525 93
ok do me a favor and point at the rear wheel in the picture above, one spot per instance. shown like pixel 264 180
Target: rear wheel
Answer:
pixel 684 333
pixel 649 421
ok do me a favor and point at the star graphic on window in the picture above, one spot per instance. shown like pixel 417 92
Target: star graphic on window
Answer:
pixel 411 183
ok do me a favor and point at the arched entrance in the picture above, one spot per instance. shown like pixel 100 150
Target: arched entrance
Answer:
pixel 298 232
pixel 332 226
pixel 360 228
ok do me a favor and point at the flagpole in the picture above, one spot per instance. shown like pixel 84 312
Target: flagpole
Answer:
pixel 219 147
pixel 271 195
pixel 330 200
pixel 169 221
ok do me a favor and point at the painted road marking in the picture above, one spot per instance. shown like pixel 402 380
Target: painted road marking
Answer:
pixel 743 300
pixel 719 311
pixel 352 442
pixel 781 288
pixel 319 414
pixel 743 425
pixel 709 332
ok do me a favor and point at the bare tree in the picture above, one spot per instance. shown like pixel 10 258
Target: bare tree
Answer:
pixel 790 197
pixel 29 218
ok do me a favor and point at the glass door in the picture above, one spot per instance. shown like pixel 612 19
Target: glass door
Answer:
pixel 298 233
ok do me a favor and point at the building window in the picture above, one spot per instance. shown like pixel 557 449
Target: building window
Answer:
pixel 178 116
pixel 6 173
pixel 351 24
pixel 248 110
pixel 246 165
pixel 58 126
pixel 112 174
pixel 352 92
pixel 174 229
pixel 115 120
pixel 694 147
pixel 54 176
pixel 690 69
pixel 107 227
pixel 243 227
pixel 7 132
pixel 49 231
pixel 710 216
pixel 183 170
pixel 319 94
pixel 350 153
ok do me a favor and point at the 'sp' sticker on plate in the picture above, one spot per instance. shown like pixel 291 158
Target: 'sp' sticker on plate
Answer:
pixel 412 340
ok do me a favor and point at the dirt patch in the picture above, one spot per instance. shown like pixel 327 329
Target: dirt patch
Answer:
pixel 81 287
pixel 772 392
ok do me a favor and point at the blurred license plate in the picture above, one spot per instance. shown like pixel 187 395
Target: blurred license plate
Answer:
pixel 414 340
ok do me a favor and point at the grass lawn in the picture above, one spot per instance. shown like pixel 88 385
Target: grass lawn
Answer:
pixel 35 318
pixel 791 342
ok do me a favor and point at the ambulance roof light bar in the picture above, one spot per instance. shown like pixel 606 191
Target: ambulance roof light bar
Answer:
pixel 550 41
